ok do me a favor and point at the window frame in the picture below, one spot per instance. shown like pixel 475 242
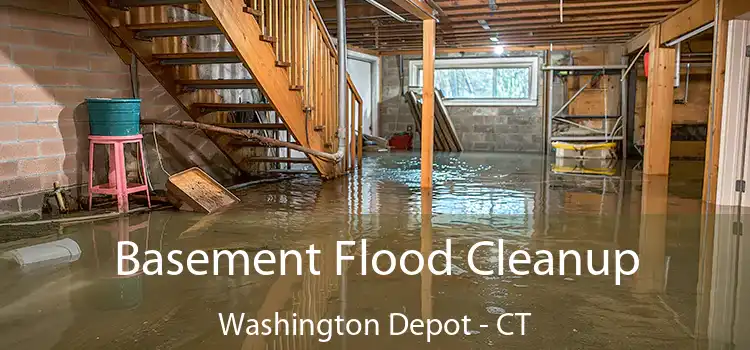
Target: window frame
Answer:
pixel 532 63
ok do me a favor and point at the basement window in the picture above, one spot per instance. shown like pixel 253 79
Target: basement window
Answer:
pixel 498 81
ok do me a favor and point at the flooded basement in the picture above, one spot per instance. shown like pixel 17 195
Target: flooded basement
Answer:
pixel 690 291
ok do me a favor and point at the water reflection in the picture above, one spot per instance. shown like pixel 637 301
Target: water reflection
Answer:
pixel 688 292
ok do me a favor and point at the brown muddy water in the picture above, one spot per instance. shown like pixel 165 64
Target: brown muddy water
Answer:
pixel 691 290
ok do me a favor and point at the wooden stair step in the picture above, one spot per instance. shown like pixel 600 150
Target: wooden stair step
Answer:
pixel 187 58
pixel 145 3
pixel 167 29
pixel 278 160
pixel 218 84
pixel 293 171
pixel 224 107
pixel 252 126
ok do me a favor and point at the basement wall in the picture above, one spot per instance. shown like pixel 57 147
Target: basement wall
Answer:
pixel 502 129
pixel 52 58
pixel 480 128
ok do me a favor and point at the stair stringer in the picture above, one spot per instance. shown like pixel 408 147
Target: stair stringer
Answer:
pixel 108 20
pixel 244 33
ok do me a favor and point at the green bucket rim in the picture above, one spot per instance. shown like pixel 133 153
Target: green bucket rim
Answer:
pixel 115 100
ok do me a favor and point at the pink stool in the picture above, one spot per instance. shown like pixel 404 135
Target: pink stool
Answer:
pixel 118 184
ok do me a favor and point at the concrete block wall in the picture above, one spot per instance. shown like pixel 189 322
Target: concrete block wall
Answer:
pixel 480 128
pixel 51 59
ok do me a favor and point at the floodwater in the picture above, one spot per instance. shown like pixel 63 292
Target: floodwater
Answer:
pixel 690 291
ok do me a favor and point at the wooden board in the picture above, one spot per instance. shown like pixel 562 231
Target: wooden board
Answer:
pixel 446 139
pixel 194 190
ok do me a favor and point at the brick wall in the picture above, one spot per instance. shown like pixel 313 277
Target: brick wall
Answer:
pixel 51 59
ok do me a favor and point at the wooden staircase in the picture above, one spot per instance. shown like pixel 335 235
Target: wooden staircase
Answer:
pixel 290 68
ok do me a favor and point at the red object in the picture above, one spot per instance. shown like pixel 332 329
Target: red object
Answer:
pixel 118 185
pixel 645 62
pixel 401 141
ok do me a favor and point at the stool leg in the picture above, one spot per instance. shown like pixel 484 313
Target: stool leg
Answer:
pixel 91 173
pixel 120 176
pixel 142 155
pixel 112 177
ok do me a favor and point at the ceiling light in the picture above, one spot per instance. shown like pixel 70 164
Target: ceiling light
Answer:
pixel 499 49
pixel 484 24
pixel 493 39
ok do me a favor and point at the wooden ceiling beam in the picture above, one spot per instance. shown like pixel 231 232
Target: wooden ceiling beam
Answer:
pixel 415 49
pixel 687 18
pixel 536 27
pixel 640 10
pixel 418 8
pixel 447 4
pixel 505 41
pixel 487 34
pixel 555 6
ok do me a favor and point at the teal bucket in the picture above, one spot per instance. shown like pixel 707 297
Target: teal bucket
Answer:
pixel 114 116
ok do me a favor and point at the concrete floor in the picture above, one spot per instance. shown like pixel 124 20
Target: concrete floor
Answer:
pixel 678 299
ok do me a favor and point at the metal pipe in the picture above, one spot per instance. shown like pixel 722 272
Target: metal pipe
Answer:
pixel 690 34
pixel 343 88
pixel 677 67
pixel 389 12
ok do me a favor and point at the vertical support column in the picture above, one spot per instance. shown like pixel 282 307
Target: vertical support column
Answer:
pixel 426 249
pixel 716 112
pixel 659 106
pixel 428 100
pixel 651 275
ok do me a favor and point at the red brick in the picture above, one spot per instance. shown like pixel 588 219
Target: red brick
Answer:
pixel 51 148
pixel 74 129
pixel 69 96
pixel 20 185
pixel 4 19
pixel 33 94
pixel 37 132
pixel 71 60
pixel 33 57
pixel 55 77
pixel 16 76
pixel 6 94
pixel 10 133
pixel 107 64
pixel 17 114
pixel 39 165
pixel 55 41
pixel 75 161
pixel 8 170
pixel 16 36
pixel 41 21
pixel 53 113
pixel 5 55
pixel 12 151
pixel 93 44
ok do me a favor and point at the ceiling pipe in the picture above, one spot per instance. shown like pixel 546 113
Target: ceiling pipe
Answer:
pixel 390 12
pixel 690 34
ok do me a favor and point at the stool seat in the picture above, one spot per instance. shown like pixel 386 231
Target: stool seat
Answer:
pixel 117 185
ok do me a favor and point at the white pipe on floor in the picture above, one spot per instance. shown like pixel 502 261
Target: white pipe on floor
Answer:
pixel 63 251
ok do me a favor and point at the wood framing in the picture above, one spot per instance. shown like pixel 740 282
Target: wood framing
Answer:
pixel 428 100
pixel 659 106
pixel 652 236
pixel 686 19
pixel 259 59
pixel 418 8
pixel 635 44
pixel 716 109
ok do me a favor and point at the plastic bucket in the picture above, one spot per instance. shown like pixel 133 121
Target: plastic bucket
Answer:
pixel 114 116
